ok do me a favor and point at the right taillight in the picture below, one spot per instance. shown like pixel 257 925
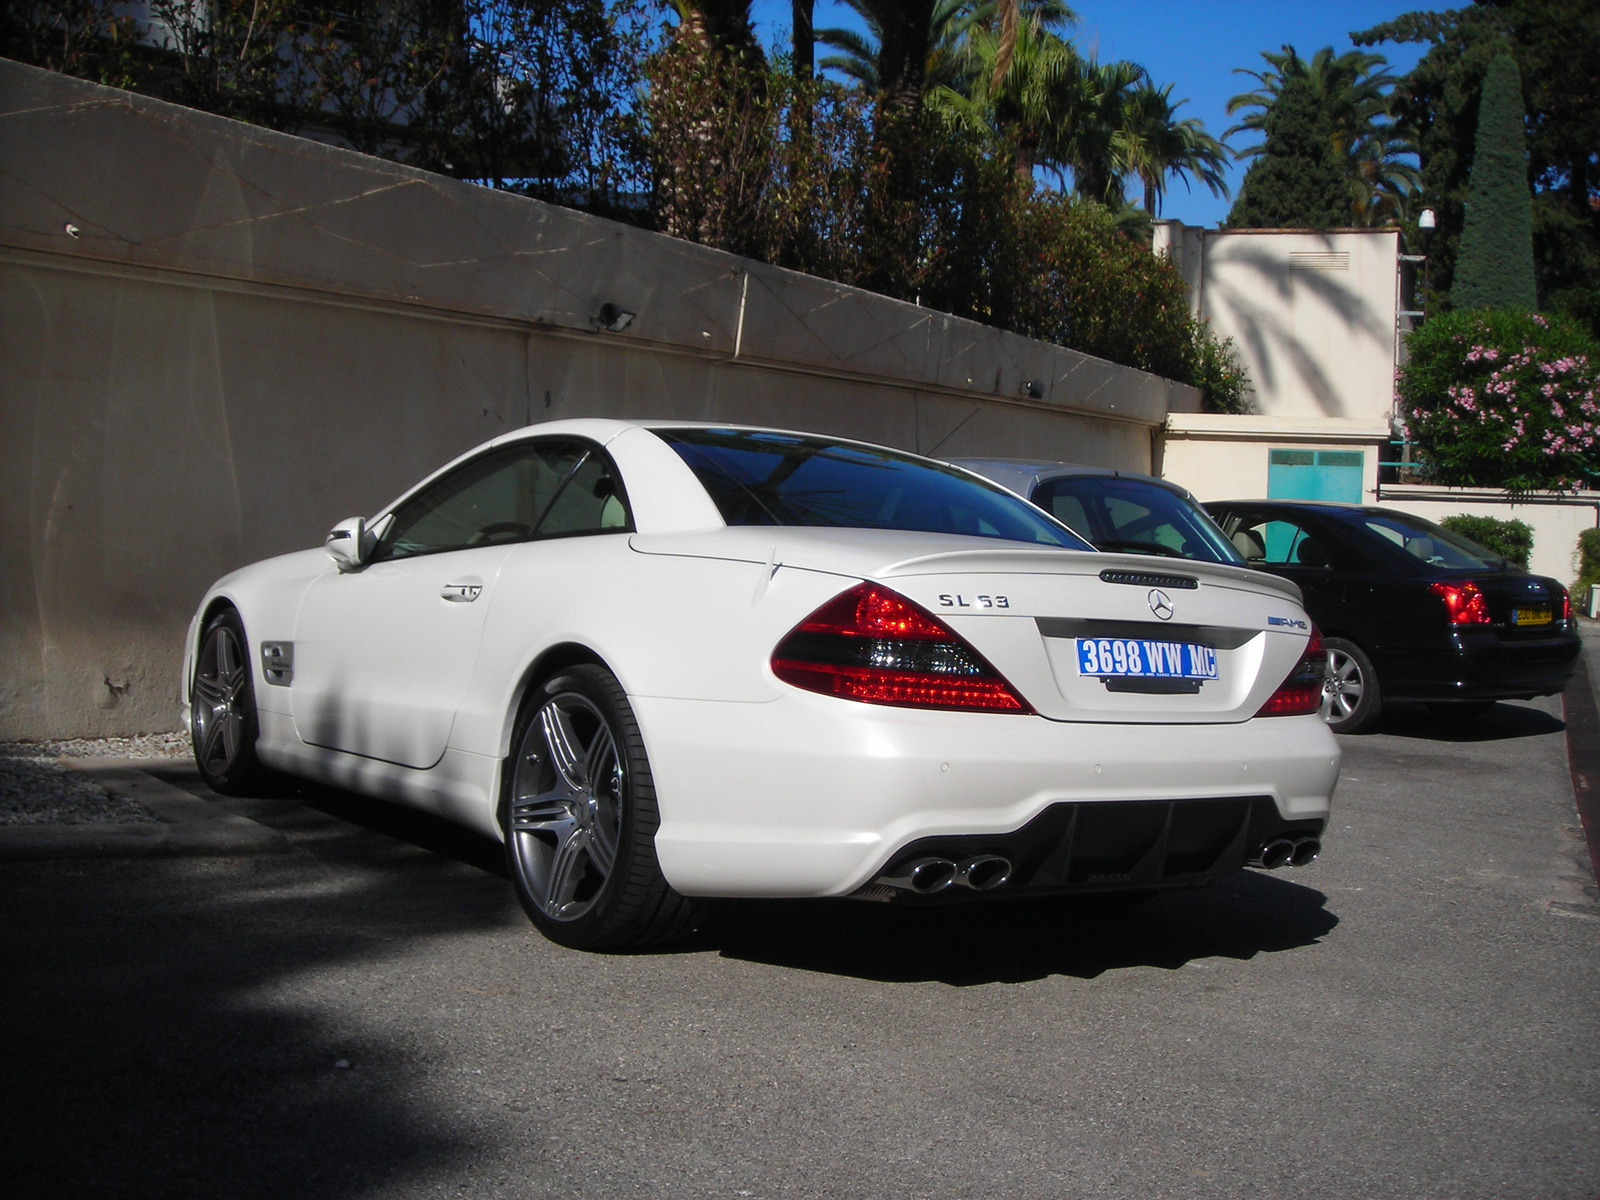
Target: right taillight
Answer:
pixel 1463 602
pixel 1301 693
pixel 873 645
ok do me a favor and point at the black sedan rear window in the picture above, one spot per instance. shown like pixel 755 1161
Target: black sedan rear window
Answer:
pixel 757 477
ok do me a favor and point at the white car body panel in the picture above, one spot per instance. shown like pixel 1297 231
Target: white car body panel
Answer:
pixel 763 789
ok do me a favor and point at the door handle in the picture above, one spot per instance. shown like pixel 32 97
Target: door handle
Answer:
pixel 464 592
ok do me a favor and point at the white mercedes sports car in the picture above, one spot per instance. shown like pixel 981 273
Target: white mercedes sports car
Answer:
pixel 663 661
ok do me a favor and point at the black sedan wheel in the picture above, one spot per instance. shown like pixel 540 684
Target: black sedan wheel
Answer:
pixel 1351 700
pixel 580 818
pixel 222 709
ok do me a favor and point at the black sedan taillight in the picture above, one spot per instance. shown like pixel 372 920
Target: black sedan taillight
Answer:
pixel 875 646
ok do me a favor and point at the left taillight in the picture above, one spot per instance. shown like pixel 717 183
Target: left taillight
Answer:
pixel 873 645
pixel 1301 693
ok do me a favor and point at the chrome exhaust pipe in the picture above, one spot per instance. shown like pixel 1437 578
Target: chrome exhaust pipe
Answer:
pixel 984 872
pixel 1276 853
pixel 923 876
pixel 1305 851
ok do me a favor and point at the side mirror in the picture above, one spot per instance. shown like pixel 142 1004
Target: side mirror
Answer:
pixel 347 544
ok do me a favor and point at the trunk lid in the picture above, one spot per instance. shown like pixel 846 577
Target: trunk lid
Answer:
pixel 1027 610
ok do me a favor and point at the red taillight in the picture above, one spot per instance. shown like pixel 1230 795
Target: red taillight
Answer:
pixel 873 645
pixel 1301 692
pixel 1566 606
pixel 1463 601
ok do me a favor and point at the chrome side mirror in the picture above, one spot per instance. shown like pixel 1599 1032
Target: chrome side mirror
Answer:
pixel 347 543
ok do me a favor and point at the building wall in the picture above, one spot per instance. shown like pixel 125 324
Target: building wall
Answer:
pixel 1312 314
pixel 1220 457
pixel 216 341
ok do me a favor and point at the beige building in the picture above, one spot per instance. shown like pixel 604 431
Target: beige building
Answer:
pixel 1319 320
pixel 1316 318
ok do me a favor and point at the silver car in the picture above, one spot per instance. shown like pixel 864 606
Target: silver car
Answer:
pixel 1115 510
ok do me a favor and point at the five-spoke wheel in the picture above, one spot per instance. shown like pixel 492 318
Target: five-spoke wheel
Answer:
pixel 222 710
pixel 580 818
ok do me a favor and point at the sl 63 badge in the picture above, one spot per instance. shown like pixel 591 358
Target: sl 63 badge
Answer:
pixel 954 601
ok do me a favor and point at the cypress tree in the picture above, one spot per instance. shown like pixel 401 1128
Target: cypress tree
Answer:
pixel 1298 181
pixel 1494 268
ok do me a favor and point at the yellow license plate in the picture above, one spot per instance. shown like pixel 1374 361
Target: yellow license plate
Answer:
pixel 1531 616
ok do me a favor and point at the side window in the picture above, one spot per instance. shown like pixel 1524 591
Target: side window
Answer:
pixel 501 497
pixel 591 502
pixel 1069 510
pixel 1276 541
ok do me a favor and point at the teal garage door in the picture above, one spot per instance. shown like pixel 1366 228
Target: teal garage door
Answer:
pixel 1315 475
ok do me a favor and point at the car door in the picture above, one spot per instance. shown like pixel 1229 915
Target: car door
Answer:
pixel 384 654
pixel 1286 544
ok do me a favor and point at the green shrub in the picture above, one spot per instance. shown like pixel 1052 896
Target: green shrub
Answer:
pixel 1588 565
pixel 1511 540
pixel 1503 399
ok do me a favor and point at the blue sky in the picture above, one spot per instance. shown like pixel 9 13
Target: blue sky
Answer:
pixel 1193 45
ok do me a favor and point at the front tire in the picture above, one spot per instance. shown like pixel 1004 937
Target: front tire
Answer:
pixel 580 819
pixel 222 709
pixel 1351 699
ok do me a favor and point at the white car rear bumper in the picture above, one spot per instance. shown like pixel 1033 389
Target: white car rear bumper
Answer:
pixel 812 796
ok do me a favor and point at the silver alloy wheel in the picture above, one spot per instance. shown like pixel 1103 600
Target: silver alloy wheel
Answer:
pixel 217 701
pixel 566 806
pixel 1342 689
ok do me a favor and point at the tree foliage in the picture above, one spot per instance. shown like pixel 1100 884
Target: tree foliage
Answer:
pixel 1495 269
pixel 1556 45
pixel 1296 181
pixel 1503 399
pixel 1343 101
pixel 1512 540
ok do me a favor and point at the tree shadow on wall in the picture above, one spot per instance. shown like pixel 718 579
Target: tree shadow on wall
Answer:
pixel 1263 321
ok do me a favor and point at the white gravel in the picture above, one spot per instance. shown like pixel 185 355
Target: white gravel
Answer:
pixel 35 789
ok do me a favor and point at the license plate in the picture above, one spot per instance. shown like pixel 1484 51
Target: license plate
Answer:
pixel 1531 616
pixel 1141 659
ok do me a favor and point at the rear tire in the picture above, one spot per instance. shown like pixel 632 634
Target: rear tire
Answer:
pixel 1351 700
pixel 222 709
pixel 578 807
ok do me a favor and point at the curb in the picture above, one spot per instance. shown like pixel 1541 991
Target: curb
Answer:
pixel 1582 714
pixel 189 827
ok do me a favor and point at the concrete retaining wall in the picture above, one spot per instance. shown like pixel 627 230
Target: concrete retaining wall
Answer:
pixel 216 341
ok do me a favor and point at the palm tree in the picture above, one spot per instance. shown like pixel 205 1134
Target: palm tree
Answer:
pixel 1090 140
pixel 1156 145
pixel 1352 92
pixel 858 57
pixel 1009 86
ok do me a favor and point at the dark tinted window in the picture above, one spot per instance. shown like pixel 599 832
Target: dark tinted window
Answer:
pixel 762 478
pixel 511 494
pixel 1131 515
pixel 1429 543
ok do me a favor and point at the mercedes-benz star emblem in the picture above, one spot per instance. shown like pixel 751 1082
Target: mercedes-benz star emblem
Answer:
pixel 1160 604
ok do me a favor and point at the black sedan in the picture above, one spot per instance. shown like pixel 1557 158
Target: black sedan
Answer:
pixel 1409 610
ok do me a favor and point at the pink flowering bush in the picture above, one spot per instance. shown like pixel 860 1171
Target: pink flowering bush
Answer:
pixel 1503 399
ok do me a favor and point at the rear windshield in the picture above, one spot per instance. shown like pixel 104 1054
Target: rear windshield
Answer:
pixel 1430 543
pixel 757 477
pixel 1134 517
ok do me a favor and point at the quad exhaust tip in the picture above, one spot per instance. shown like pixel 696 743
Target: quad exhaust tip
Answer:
pixel 1286 852
pixel 925 876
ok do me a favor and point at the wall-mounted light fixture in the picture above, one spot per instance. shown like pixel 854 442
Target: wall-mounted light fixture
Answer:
pixel 1427 220
pixel 1030 390
pixel 612 317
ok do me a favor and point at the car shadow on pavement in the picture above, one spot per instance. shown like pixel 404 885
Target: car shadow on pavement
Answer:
pixel 1506 720
pixel 1017 940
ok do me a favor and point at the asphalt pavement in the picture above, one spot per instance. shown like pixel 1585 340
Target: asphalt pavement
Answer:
pixel 370 1014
